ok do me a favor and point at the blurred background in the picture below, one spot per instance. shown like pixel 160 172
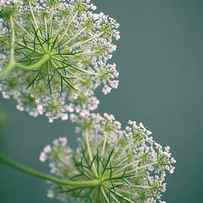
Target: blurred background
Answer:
pixel 160 59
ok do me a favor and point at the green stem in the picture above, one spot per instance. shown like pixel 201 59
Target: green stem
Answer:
pixel 90 152
pixel 12 52
pixel 33 16
pixel 12 39
pixel 104 144
pixel 32 172
pixel 12 64
pixel 36 65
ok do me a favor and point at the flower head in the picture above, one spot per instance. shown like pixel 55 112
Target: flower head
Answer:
pixel 54 54
pixel 127 163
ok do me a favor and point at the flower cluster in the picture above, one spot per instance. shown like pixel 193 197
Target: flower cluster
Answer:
pixel 54 54
pixel 128 164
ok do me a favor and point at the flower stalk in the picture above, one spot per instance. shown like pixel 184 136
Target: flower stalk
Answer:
pixel 43 176
pixel 11 63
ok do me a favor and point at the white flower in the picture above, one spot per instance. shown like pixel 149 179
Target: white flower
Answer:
pixel 43 157
pixel 128 158
pixel 50 194
pixel 40 109
pixel 59 57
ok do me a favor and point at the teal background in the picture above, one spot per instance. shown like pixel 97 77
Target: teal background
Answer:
pixel 161 78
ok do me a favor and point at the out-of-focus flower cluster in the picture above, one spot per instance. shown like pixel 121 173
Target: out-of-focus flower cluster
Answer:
pixel 4 3
pixel 54 54
pixel 132 167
